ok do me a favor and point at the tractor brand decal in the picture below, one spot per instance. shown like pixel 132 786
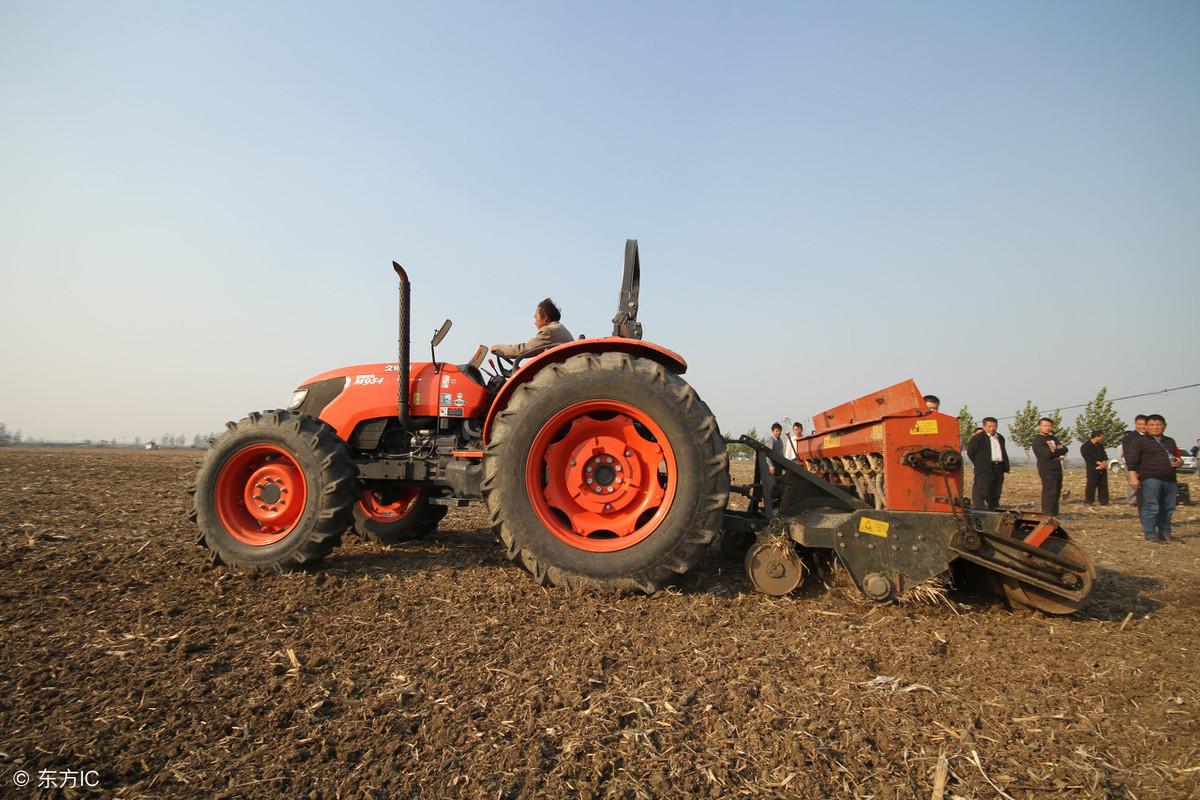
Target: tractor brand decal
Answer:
pixel 924 427
pixel 445 401
pixel 454 412
pixel 875 527
pixel 367 380
pixel 460 402
pixel 392 368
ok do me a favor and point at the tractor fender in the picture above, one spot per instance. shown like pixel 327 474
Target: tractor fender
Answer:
pixel 609 344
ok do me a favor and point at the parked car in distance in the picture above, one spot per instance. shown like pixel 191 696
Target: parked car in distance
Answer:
pixel 1117 465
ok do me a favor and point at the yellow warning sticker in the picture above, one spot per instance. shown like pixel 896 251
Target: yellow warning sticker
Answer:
pixel 924 427
pixel 833 441
pixel 875 527
pixel 877 433
pixel 416 398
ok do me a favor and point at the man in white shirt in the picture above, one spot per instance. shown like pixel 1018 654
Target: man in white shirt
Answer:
pixel 990 458
pixel 791 445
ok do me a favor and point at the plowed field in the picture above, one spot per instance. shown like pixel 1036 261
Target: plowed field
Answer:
pixel 437 669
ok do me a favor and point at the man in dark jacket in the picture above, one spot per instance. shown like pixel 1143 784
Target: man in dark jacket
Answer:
pixel 1152 460
pixel 1095 466
pixel 987 453
pixel 1133 496
pixel 1049 454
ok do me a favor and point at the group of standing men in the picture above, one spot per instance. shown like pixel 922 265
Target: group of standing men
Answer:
pixel 787 447
pixel 1151 459
pixel 988 454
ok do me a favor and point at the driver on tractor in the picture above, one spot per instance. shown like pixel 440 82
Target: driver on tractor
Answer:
pixel 550 333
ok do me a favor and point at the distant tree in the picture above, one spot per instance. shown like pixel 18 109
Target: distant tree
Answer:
pixel 1024 427
pixel 735 448
pixel 4 437
pixel 1099 415
pixel 966 426
pixel 1061 432
pixel 137 441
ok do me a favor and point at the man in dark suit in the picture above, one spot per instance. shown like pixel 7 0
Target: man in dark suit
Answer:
pixel 1049 454
pixel 1133 495
pixel 1095 466
pixel 987 453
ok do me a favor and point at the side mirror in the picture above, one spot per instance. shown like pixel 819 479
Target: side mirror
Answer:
pixel 441 333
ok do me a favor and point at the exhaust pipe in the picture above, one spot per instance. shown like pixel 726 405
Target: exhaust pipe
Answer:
pixel 402 392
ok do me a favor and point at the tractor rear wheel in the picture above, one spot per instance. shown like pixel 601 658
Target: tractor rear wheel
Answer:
pixel 606 470
pixel 389 517
pixel 274 492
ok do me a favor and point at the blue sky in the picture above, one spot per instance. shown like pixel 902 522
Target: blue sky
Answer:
pixel 201 201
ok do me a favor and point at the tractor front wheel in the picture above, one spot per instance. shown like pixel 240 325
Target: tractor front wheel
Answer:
pixel 606 470
pixel 274 492
pixel 392 516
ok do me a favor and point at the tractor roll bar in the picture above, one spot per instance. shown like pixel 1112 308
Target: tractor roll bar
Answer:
pixel 625 323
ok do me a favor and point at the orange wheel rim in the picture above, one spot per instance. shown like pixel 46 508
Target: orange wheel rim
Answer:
pixel 601 475
pixel 374 506
pixel 260 494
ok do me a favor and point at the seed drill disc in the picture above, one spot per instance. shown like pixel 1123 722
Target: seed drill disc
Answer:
pixel 1023 595
pixel 774 568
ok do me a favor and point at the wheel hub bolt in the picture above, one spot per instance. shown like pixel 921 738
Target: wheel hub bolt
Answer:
pixel 608 506
pixel 596 460
pixel 617 467
pixel 608 459
pixel 589 467
pixel 597 490
pixel 590 482
pixel 610 490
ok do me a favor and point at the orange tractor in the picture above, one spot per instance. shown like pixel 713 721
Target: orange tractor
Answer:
pixel 600 465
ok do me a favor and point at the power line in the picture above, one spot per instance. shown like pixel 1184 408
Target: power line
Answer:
pixel 1115 399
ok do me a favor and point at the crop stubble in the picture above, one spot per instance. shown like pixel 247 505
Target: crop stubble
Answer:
pixel 437 669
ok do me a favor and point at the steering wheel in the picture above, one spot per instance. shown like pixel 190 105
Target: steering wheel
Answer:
pixel 506 365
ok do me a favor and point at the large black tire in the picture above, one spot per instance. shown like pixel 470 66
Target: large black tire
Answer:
pixel 692 518
pixel 418 523
pixel 295 446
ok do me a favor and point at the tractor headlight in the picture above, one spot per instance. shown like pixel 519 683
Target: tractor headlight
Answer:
pixel 297 398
